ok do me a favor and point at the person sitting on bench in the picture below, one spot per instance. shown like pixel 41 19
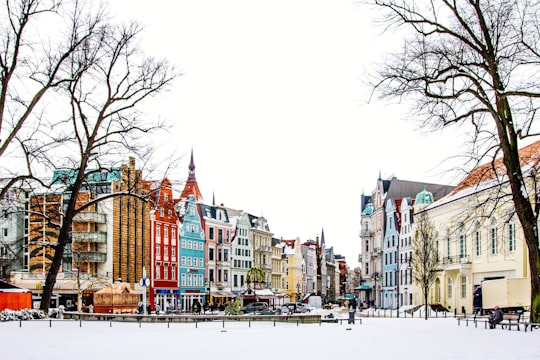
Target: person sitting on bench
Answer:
pixel 495 317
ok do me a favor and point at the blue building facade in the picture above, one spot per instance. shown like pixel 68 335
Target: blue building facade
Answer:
pixel 390 256
pixel 192 256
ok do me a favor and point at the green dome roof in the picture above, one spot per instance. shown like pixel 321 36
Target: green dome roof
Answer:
pixel 424 197
pixel 368 210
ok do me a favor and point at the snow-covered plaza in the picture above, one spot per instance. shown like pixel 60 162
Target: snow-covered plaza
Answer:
pixel 375 338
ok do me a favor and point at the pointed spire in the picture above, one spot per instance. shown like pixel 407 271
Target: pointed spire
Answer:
pixel 322 238
pixel 380 175
pixel 191 187
pixel 213 199
pixel 191 176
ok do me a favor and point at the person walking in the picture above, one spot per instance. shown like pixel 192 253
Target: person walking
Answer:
pixel 352 310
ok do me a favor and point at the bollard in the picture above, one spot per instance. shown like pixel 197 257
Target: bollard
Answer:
pixel 50 323
pixel 20 323
pixel 196 324
pixel 168 324
pixel 80 322
pixel 249 323
pixel 110 322
pixel 223 326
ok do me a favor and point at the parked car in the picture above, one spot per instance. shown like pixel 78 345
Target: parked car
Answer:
pixel 254 307
pixel 296 307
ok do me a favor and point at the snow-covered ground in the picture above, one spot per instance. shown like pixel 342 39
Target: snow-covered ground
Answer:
pixel 381 338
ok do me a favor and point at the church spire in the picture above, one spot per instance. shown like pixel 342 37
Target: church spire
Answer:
pixel 191 176
pixel 191 187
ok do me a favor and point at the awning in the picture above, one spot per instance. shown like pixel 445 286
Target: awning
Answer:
pixel 223 294
pixel 305 296
pixel 363 287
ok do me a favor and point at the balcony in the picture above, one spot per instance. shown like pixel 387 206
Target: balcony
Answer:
pixel 86 256
pixel 89 237
pixel 456 262
pixel 90 216
pixel 365 232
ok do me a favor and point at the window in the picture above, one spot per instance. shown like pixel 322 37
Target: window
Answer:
pixel 437 250
pixel 162 212
pixel 173 252
pixel 448 247
pixel 511 237
pixel 225 275
pixel 462 247
pixel 220 236
pixel 184 244
pixel 211 233
pixel 367 245
pixel 493 241
pixel 183 279
pixel 477 244
pixel 463 286
pixel 211 254
pixel 166 233
pixel 190 244
pixel 225 255
pixel 189 261
pixel 169 213
pixel 173 273
pixel 449 288
pixel 5 231
pixel 211 274
pixel 158 250
pixel 191 211
pixel 158 232
pixel 165 272
pixel 158 275
pixel 367 268
pixel 183 261
pixel 166 252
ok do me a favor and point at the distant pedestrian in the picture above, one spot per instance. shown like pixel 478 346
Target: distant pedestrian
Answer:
pixel 352 311
pixel 90 308
pixel 495 317
pixel 197 307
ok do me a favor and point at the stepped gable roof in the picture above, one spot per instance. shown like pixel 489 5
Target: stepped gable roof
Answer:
pixel 398 189
pixel 529 157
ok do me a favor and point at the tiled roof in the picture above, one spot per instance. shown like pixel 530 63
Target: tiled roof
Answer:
pixel 529 156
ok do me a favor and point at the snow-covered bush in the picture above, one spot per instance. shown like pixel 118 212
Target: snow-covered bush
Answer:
pixel 25 314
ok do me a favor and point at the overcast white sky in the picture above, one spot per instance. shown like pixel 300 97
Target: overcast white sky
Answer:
pixel 272 100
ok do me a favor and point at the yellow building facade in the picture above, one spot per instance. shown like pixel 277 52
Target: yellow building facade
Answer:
pixel 477 236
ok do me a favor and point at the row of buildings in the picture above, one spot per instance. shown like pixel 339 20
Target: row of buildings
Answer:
pixel 174 249
pixel 476 236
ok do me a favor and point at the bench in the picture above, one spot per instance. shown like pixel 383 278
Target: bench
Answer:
pixel 531 325
pixel 510 320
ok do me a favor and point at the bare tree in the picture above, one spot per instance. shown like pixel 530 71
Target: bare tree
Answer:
pixel 32 63
pixel 424 262
pixel 70 101
pixel 474 62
